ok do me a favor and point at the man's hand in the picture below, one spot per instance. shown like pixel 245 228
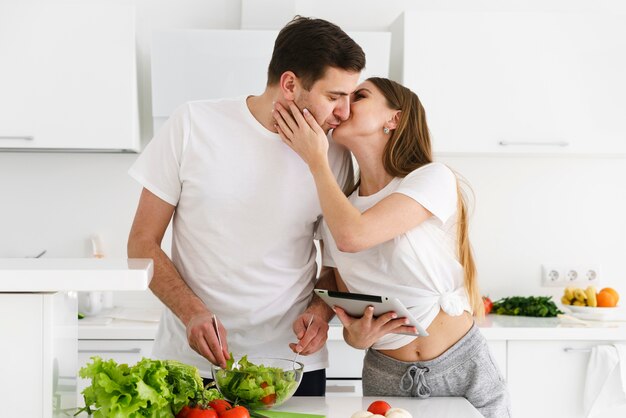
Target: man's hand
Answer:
pixel 363 332
pixel 203 339
pixel 311 339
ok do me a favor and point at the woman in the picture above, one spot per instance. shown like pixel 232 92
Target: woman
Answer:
pixel 402 232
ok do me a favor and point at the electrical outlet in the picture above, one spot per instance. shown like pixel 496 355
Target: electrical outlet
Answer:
pixel 563 275
pixel 553 275
pixel 583 275
pixel 591 274
pixel 572 275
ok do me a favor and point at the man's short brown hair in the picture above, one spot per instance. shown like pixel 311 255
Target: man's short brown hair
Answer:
pixel 308 47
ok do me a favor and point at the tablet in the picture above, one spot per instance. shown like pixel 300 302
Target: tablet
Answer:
pixel 355 303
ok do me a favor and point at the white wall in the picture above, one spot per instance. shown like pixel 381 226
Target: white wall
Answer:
pixel 528 210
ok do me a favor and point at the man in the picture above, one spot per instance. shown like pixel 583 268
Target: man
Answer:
pixel 244 210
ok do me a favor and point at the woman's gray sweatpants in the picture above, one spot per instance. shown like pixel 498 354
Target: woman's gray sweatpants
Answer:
pixel 466 369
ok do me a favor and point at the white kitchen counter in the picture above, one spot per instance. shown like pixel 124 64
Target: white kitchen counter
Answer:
pixel 332 407
pixel 121 323
pixel 337 407
pixel 78 274
pixel 493 327
pixel 117 329
pixel 503 327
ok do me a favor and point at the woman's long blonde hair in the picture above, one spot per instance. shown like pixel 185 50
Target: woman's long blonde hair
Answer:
pixel 408 149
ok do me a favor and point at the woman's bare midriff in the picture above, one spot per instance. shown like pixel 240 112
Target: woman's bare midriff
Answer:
pixel 443 333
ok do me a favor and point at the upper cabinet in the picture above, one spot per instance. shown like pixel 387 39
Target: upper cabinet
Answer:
pixel 210 64
pixel 68 78
pixel 516 82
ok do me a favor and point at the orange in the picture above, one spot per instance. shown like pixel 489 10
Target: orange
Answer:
pixel 613 292
pixel 606 299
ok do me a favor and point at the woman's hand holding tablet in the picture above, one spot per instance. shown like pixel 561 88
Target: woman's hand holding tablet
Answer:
pixel 355 305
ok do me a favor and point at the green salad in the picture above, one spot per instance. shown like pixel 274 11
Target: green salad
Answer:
pixel 150 388
pixel 256 386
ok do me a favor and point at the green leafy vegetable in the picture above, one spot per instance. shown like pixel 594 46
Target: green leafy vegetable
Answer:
pixel 150 388
pixel 255 385
pixel 538 306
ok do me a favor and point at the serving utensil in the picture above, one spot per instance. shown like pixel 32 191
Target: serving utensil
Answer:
pixel 219 339
pixel 217 331
pixel 297 352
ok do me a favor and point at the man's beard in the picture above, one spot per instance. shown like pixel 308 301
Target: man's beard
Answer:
pixel 302 103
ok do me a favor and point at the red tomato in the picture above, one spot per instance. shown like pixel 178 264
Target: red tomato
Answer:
pixel 220 405
pixel 235 412
pixel 269 399
pixel 379 407
pixel 198 412
pixel 488 304
pixel 184 412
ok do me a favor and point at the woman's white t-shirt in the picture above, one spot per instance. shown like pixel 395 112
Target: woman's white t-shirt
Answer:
pixel 419 267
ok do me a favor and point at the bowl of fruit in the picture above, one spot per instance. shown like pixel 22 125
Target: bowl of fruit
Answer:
pixel 589 303
pixel 258 383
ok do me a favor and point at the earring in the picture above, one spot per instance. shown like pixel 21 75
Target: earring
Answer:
pixel 386 130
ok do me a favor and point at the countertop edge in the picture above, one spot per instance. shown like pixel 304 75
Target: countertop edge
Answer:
pixel 119 329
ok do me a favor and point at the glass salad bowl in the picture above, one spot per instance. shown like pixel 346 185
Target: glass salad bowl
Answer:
pixel 258 383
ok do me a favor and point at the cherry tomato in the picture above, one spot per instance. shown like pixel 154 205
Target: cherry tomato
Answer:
pixel 220 405
pixel 269 399
pixel 488 304
pixel 235 412
pixel 184 412
pixel 196 412
pixel 379 407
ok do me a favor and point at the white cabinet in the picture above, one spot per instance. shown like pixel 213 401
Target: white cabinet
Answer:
pixel 345 362
pixel 122 351
pixel 210 64
pixel 516 82
pixel 68 77
pixel 343 376
pixel 38 352
pixel 546 378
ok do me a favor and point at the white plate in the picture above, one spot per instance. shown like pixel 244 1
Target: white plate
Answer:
pixel 586 312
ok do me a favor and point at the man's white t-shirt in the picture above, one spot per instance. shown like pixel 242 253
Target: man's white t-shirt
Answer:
pixel 419 267
pixel 242 232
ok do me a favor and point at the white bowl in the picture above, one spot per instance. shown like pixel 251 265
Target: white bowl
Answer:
pixel 586 312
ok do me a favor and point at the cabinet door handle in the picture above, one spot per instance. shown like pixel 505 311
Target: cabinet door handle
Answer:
pixel 341 388
pixel 577 350
pixel 128 351
pixel 22 137
pixel 534 143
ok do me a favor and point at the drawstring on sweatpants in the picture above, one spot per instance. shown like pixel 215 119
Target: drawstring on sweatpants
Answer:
pixel 414 379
